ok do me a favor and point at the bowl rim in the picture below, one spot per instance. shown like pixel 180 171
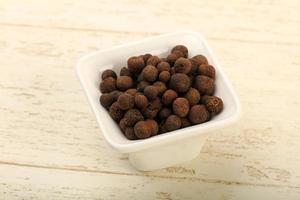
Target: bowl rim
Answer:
pixel 174 135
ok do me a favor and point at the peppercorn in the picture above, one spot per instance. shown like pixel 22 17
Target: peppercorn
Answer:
pixel 141 85
pixel 146 57
pixel 207 70
pixel 129 134
pixel 150 73
pixel 173 122
pixel 152 108
pixel 125 72
pixel 135 64
pixel 132 116
pixel 108 85
pixel 171 58
pixel 164 76
pixel 155 103
pixel 163 66
pixel 204 85
pixel 131 91
pixel 213 104
pixel 168 97
pixel 145 129
pixel 153 60
pixel 183 49
pixel 108 98
pixel 122 124
pixel 116 112
pixel 183 65
pixel 195 65
pixel 193 96
pixel 181 107
pixel 164 113
pixel 161 86
pixel 200 59
pixel 124 83
pixel 140 101
pixel 198 114
pixel 179 82
pixel 126 101
pixel 108 73
pixel 151 92
pixel 185 122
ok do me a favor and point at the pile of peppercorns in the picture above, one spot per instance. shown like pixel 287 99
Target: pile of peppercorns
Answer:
pixel 156 95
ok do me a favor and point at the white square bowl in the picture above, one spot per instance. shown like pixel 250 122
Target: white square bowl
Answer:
pixel 166 149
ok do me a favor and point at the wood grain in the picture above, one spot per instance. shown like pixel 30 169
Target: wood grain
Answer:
pixel 47 128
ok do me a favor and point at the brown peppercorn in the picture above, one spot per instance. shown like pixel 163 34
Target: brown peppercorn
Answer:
pixel 193 96
pixel 124 83
pixel 204 85
pixel 171 58
pixel 164 76
pixel 161 86
pixel 122 124
pixel 163 66
pixel 183 49
pixel 207 70
pixel 168 97
pixel 141 85
pixel 151 92
pixel 116 112
pixel 150 73
pixel 183 65
pixel 181 107
pixel 195 65
pixel 152 108
pixel 135 64
pixel 126 101
pixel 153 60
pixel 198 114
pixel 173 122
pixel 179 82
pixel 131 91
pixel 185 122
pixel 108 73
pixel 200 59
pixel 155 104
pixel 140 101
pixel 108 85
pixel 146 129
pixel 146 57
pixel 132 116
pixel 213 104
pixel 129 134
pixel 125 72
pixel 164 113
pixel 108 98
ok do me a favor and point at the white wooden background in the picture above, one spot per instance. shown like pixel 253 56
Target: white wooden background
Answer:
pixel 51 147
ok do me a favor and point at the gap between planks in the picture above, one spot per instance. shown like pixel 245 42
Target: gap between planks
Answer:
pixel 195 179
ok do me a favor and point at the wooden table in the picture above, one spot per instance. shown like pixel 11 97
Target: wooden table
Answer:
pixel 51 147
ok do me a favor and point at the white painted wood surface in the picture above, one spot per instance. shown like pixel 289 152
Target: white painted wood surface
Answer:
pixel 50 145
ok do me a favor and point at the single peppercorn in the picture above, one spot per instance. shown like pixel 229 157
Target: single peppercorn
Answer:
pixel 146 57
pixel 153 60
pixel 140 101
pixel 164 113
pixel 193 96
pixel 108 73
pixel 173 122
pixel 155 103
pixel 183 65
pixel 108 85
pixel 201 59
pixel 204 84
pixel 181 107
pixel 108 98
pixel 185 122
pixel 183 49
pixel 168 97
pixel 116 112
pixel 213 104
pixel 131 91
pixel 152 109
pixel 179 82
pixel 163 66
pixel 151 92
pixel 195 66
pixel 207 70
pixel 171 58
pixel 129 133
pixel 150 73
pixel 135 64
pixel 125 72
pixel 124 83
pixel 161 86
pixel 164 76
pixel 146 129
pixel 126 101
pixel 132 116
pixel 198 114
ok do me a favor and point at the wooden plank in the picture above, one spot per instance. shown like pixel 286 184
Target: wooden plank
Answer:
pixel 36 183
